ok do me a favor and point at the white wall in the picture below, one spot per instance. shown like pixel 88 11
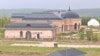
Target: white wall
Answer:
pixel 16 33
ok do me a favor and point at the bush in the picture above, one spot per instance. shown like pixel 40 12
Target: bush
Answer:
pixel 63 35
pixel 81 33
pixel 89 34
pixel 95 38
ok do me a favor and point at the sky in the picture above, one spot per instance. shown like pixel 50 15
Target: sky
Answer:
pixel 49 4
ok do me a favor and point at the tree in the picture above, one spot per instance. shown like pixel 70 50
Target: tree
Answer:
pixel 95 38
pixel 81 33
pixel 85 20
pixel 89 34
pixel 4 21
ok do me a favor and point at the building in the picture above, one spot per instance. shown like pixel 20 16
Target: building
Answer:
pixel 68 52
pixel 93 22
pixel 41 25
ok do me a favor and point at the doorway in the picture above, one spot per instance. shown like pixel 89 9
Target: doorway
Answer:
pixel 38 36
pixel 28 35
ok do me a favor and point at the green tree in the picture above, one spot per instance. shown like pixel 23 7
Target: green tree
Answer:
pixel 85 20
pixel 95 38
pixel 4 21
pixel 89 34
pixel 81 33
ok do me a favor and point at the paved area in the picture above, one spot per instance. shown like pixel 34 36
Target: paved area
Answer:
pixel 42 44
pixel 51 44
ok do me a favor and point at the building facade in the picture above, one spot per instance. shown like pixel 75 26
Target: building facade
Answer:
pixel 40 25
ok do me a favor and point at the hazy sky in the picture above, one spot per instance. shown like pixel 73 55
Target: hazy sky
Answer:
pixel 49 4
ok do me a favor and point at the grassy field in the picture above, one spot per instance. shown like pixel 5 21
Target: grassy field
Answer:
pixel 7 50
pixel 39 51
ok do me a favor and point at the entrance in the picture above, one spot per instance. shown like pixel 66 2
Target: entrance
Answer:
pixel 38 36
pixel 28 35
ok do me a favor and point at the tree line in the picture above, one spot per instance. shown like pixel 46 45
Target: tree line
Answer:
pixel 86 19
pixel 4 21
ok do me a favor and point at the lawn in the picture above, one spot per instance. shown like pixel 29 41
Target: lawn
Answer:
pixel 9 42
pixel 7 50
pixel 28 50
pixel 42 51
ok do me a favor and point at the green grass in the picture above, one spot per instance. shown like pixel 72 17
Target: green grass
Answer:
pixel 91 51
pixel 44 50
pixel 23 49
pixel 40 51
pixel 9 42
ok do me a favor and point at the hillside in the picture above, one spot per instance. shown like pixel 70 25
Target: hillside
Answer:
pixel 89 12
pixel 8 12
pixel 82 12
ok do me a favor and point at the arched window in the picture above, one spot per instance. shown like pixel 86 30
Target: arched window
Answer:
pixel 75 26
pixel 21 33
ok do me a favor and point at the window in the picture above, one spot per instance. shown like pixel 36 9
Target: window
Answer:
pixel 28 25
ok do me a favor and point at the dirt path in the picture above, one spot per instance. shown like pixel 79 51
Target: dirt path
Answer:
pixel 51 44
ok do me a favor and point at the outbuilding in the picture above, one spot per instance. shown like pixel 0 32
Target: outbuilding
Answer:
pixel 93 22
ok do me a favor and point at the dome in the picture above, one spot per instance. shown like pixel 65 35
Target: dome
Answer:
pixel 93 22
pixel 70 14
